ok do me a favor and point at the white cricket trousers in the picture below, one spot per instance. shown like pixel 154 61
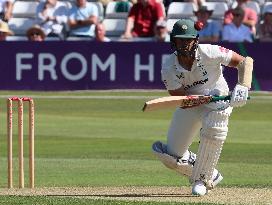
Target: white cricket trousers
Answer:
pixel 185 125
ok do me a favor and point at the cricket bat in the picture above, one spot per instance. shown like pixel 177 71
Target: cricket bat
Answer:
pixel 181 101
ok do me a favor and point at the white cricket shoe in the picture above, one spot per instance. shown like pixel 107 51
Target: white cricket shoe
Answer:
pixel 199 188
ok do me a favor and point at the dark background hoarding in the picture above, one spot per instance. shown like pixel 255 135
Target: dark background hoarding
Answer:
pixel 75 65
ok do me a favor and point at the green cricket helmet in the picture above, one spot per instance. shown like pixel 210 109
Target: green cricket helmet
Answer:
pixel 185 29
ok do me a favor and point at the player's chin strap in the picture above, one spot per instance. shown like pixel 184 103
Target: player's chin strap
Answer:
pixel 245 69
pixel 184 50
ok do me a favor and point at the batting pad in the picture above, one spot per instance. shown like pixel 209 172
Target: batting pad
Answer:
pixel 180 165
pixel 208 154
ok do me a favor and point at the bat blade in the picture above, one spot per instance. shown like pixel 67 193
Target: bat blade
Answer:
pixel 182 101
pixel 176 101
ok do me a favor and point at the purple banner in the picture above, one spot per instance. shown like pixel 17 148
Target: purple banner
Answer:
pixel 90 65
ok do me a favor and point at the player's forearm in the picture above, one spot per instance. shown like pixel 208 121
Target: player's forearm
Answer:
pixel 72 24
pixel 177 92
pixel 42 16
pixel 75 24
pixel 235 59
pixel 89 21
pixel 43 12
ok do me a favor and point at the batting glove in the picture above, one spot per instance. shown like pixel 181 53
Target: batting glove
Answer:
pixel 239 96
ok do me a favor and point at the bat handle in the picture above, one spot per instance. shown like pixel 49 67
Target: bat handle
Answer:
pixel 223 97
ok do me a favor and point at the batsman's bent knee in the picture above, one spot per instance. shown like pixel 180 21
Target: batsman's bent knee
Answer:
pixel 215 124
pixel 180 165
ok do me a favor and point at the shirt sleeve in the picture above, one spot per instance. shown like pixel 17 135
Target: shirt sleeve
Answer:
pixel 169 80
pixel 61 14
pixel 93 10
pixel 39 10
pixel 132 12
pixel 220 54
pixel 72 14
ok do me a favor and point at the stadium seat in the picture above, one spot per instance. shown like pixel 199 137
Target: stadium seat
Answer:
pixel 254 5
pixel 111 13
pixel 114 27
pixel 219 9
pixel 24 9
pixel 261 3
pixel 75 38
pixel 170 23
pixel 16 38
pixel 52 38
pixel 228 2
pixel 177 10
pixel 20 25
pixel 266 6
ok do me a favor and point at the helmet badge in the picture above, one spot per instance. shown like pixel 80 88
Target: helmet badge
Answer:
pixel 184 27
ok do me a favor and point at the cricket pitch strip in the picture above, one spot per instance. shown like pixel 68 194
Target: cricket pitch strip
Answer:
pixel 219 195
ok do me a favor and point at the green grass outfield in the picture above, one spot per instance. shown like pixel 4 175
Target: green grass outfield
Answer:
pixel 104 139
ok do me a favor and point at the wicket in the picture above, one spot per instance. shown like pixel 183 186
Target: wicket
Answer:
pixel 20 140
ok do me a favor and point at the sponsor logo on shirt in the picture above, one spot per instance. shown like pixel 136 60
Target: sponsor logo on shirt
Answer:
pixel 199 82
pixel 181 75
pixel 201 74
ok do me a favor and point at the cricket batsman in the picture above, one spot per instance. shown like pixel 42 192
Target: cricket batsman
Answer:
pixel 196 69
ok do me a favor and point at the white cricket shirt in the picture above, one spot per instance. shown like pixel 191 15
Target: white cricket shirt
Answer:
pixel 205 75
